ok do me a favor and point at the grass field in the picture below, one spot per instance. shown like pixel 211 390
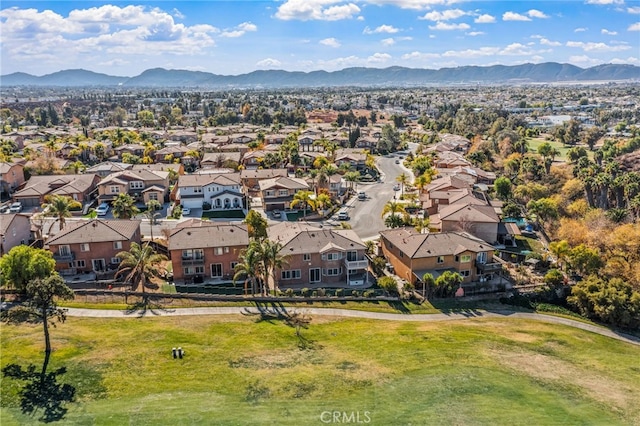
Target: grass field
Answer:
pixel 239 370
pixel 534 143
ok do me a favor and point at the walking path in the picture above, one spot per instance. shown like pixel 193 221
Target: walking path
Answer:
pixel 347 313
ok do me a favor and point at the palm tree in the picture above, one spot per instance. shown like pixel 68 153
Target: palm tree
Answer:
pixel 139 265
pixel 152 213
pixel 59 206
pixel 249 266
pixel 393 207
pixel 422 181
pixel 78 166
pixel 352 177
pixel 323 201
pixel 403 179
pixel 271 260
pixel 124 207
pixel 304 198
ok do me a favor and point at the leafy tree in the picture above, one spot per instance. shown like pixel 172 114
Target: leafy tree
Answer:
pixel 612 301
pixel 388 284
pixel 24 264
pixel 554 278
pixel 448 283
pixel 272 259
pixel 403 180
pixel 428 284
pixel 585 260
pixel 544 208
pixel 502 186
pixel 392 208
pixel 256 225
pixel 304 198
pixel 139 265
pixel 124 207
pixel 560 249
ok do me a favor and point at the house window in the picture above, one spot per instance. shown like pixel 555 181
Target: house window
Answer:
pixel 64 251
pixel 233 265
pixel 334 256
pixel 187 254
pixel 331 272
pixel 114 189
pixel 440 259
pixel 226 249
pixel 199 270
pixel 117 245
pixel 352 256
pixel 216 270
pixel 188 270
pixel 306 257
pixel 115 260
pixel 197 190
pixel 269 193
pixel 291 274
pixel 136 184
pixel 198 254
pixel 218 251
pixel 465 258
pixel 314 275
pixel 153 196
pixel 465 273
pixel 283 192
pixel 80 264
pixel 84 247
pixel 482 257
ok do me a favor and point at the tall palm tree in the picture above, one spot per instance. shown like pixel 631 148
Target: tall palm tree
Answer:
pixel 392 208
pixel 352 177
pixel 422 181
pixel 59 206
pixel 139 265
pixel 304 198
pixel 323 201
pixel 124 207
pixel 249 266
pixel 403 180
pixel 272 259
pixel 152 213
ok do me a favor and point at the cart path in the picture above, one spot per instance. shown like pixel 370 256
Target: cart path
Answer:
pixel 348 313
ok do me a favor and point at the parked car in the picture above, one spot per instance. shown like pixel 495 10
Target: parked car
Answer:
pixel 276 214
pixel 4 209
pixel 397 161
pixel 15 207
pixel 186 211
pixel 102 209
pixel 343 215
pixel 396 187
pixel 362 195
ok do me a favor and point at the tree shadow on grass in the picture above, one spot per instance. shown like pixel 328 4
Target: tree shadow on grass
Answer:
pixel 400 306
pixel 146 305
pixel 42 392
pixel 276 311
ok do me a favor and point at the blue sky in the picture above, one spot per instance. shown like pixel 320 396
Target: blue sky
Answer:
pixel 235 37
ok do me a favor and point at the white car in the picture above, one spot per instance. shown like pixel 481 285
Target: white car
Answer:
pixel 186 211
pixel 15 207
pixel 396 187
pixel 102 209
pixel 343 215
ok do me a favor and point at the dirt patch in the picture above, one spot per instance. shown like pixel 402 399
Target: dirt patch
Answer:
pixel 549 368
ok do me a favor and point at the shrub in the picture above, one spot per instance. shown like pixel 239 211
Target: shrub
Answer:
pixel 369 293
pixel 355 293
pixel 388 284
pixel 305 292
pixel 206 205
pixel 314 293
pixel 339 292
pixel 289 292
pixel 322 292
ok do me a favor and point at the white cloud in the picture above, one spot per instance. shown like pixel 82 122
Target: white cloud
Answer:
pixel 445 15
pixel 378 58
pixel 607 32
pixel 485 19
pixel 269 63
pixel 533 13
pixel 239 30
pixel 331 42
pixel 340 63
pixel 475 33
pixel 630 60
pixel 605 1
pixel 597 47
pixel 319 10
pixel 580 30
pixel 547 42
pixel 442 26
pixel 391 40
pixel 387 29
pixel 177 14
pixel 413 4
pixel 633 10
pixel 512 16
pixel 419 56
pixel 514 49
pixel 634 27
pixel 584 60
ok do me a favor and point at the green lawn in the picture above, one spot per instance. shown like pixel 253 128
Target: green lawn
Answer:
pixel 238 370
pixel 223 214
pixel 534 143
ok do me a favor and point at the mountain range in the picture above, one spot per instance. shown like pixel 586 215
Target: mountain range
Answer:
pixel 550 72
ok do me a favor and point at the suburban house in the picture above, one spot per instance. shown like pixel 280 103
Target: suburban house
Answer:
pixel 277 193
pixel 253 159
pixel 77 187
pixel 11 177
pixel 319 257
pixel 434 200
pixel 205 251
pixel 142 185
pixel 15 229
pixel 355 158
pixel 92 245
pixel 250 178
pixel 133 149
pixel 219 159
pixel 222 191
pixel 413 254
pixel 106 168
pixel 480 221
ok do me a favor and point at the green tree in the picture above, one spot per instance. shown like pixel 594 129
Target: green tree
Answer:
pixel 139 265
pixel 388 284
pixel 428 285
pixel 304 198
pixel 272 259
pixel 59 206
pixel 560 249
pixel 124 207
pixel 554 278
pixel 448 283
pixel 249 267
pixel 503 186
pixel 392 208
pixel 23 264
pixel 403 180
pixel 585 260
pixel 256 225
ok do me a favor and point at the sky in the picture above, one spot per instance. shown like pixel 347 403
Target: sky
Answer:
pixel 239 36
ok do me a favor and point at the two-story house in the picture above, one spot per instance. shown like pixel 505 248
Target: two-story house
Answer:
pixel 78 187
pixel 478 220
pixel 251 177
pixel 354 157
pixel 143 185
pixel 319 257
pixel 413 254
pixel 15 229
pixel 92 245
pixel 11 177
pixel 277 193
pixel 223 191
pixel 206 251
